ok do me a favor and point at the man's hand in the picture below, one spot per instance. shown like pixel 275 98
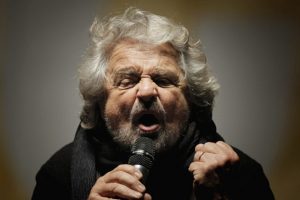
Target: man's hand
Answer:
pixel 123 182
pixel 208 158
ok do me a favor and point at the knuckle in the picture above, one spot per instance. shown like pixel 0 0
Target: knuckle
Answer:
pixel 115 188
pixel 101 179
pixel 235 157
pixel 209 144
pixel 199 146
pixel 147 196
pixel 214 164
pixel 92 196
pixel 193 166
pixel 119 175
pixel 197 155
pixel 122 167
pixel 199 177
pixel 223 160
pixel 220 142
pixel 208 168
pixel 223 157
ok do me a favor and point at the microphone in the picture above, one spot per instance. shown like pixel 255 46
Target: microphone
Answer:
pixel 142 156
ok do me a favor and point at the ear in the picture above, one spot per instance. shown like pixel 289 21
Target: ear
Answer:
pixel 89 115
pixel 200 114
pixel 93 111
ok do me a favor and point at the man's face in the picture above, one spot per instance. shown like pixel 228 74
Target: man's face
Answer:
pixel 145 94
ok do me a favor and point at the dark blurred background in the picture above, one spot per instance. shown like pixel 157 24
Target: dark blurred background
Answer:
pixel 252 47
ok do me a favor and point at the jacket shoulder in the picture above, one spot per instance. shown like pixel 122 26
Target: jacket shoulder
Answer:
pixel 53 178
pixel 61 159
pixel 250 179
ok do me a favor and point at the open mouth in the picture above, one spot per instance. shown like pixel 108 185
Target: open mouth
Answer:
pixel 148 122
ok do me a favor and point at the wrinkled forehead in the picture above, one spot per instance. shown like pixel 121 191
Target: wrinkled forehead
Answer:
pixel 164 48
pixel 127 50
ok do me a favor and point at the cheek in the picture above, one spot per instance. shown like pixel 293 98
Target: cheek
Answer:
pixel 174 103
pixel 119 103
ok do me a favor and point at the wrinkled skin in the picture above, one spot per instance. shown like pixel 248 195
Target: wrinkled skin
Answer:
pixel 146 79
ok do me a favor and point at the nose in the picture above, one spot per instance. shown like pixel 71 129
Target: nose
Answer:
pixel 147 89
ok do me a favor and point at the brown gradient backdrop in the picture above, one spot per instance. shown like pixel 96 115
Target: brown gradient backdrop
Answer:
pixel 40 47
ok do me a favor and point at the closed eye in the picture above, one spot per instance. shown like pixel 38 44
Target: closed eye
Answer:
pixel 127 83
pixel 164 82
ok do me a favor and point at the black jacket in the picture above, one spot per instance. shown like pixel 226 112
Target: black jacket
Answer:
pixel 72 171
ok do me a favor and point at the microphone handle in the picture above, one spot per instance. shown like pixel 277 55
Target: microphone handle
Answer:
pixel 144 171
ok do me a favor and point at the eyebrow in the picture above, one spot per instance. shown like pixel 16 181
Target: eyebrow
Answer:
pixel 127 70
pixel 131 70
pixel 163 71
pixel 134 71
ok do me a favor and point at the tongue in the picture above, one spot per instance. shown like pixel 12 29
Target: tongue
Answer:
pixel 148 123
pixel 152 128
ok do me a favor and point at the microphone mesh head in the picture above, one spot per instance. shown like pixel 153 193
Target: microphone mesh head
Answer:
pixel 144 145
pixel 142 152
pixel 138 159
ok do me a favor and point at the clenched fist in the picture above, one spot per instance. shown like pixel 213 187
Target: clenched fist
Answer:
pixel 208 158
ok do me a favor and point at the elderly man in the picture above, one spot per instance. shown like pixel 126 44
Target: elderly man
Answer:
pixel 142 76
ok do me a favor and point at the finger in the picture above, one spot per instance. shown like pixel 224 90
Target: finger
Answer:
pixel 208 151
pixel 129 169
pixel 199 147
pixel 113 190
pixel 147 196
pixel 199 177
pixel 95 196
pixel 194 166
pixel 199 171
pixel 209 147
pixel 204 174
pixel 226 147
pixel 213 160
pixel 198 165
pixel 221 159
pixel 124 178
pixel 209 179
pixel 224 150
pixel 198 155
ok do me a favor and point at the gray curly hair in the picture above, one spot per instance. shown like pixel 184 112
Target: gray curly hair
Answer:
pixel 145 27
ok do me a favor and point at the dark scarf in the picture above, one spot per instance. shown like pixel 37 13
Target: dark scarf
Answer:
pixel 95 147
